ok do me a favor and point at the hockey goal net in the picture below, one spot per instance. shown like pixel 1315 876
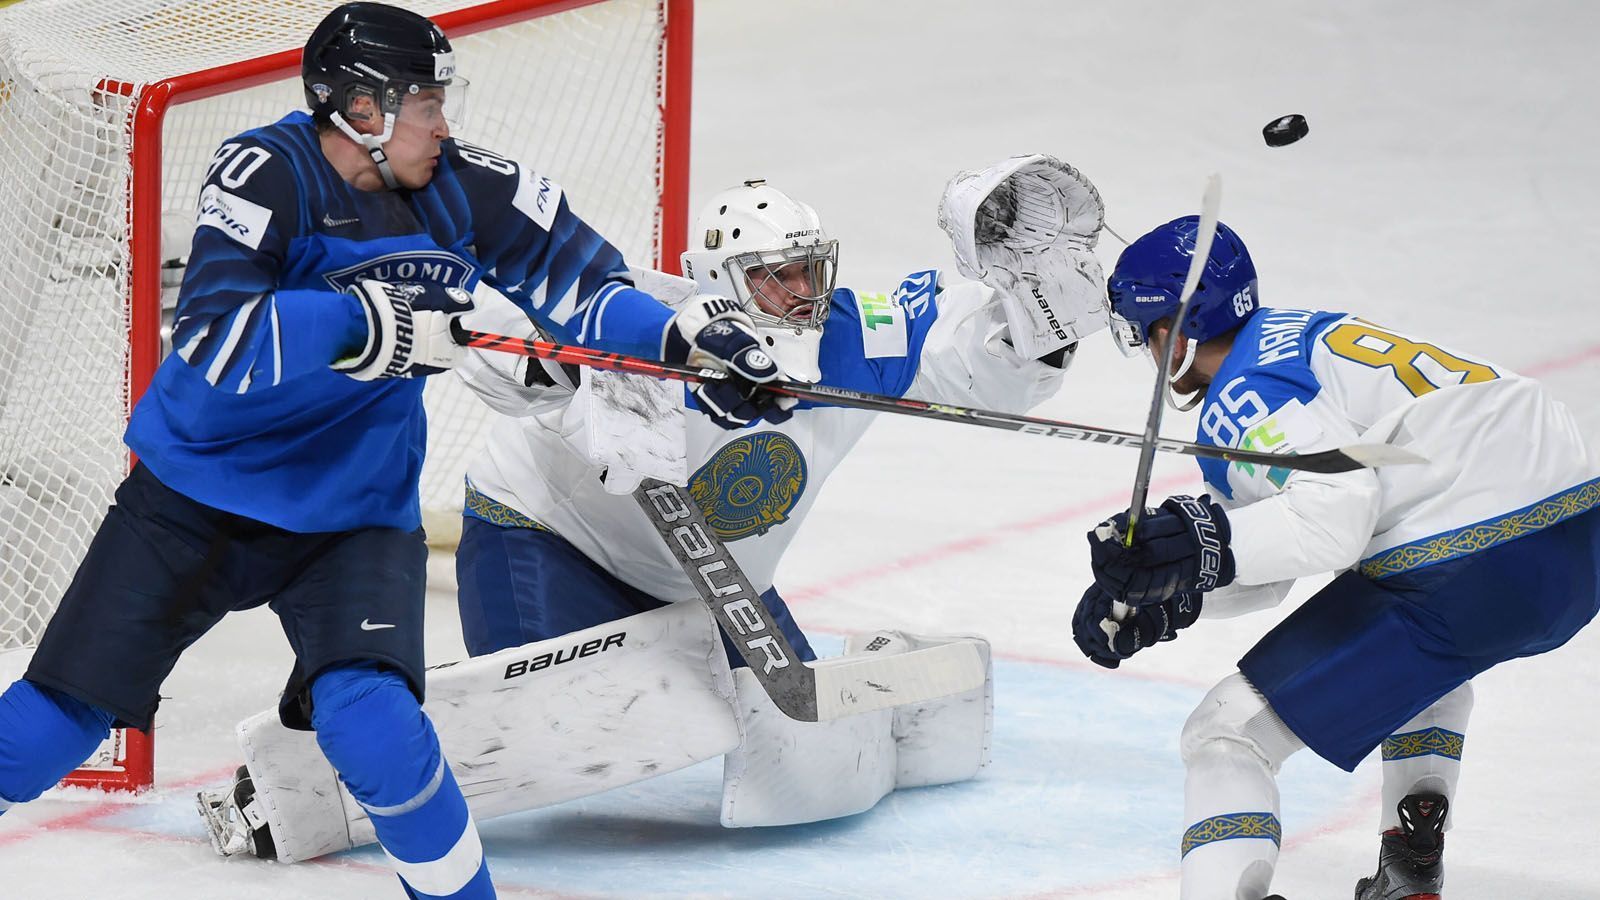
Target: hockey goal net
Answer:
pixel 110 111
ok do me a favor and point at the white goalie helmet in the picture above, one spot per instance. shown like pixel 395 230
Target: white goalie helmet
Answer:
pixel 770 253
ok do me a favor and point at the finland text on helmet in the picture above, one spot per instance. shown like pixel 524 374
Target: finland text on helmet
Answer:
pixel 400 61
pixel 1148 280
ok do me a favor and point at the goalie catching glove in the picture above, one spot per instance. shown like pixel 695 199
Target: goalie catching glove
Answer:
pixel 713 332
pixel 408 330
pixel 1182 546
pixel 1027 227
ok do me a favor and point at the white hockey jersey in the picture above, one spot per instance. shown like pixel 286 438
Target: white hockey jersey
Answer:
pixel 1504 458
pixel 755 485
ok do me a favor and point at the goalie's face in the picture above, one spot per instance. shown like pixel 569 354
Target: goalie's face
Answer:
pixel 789 288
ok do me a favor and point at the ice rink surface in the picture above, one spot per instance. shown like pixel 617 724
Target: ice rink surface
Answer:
pixel 1447 188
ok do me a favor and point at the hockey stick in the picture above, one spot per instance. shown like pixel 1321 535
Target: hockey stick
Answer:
pixel 1341 459
pixel 808 692
pixel 1210 208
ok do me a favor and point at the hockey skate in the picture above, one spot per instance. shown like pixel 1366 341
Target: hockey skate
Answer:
pixel 234 820
pixel 1411 858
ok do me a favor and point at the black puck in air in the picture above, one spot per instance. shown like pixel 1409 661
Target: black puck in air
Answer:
pixel 1285 130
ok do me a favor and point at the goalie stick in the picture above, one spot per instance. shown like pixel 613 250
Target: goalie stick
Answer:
pixel 809 692
pixel 1340 459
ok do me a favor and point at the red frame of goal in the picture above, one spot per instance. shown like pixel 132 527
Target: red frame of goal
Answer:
pixel 144 210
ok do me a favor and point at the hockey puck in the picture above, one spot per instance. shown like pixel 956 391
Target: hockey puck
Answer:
pixel 1285 130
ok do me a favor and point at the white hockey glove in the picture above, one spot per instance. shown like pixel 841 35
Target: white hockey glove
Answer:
pixel 1027 227
pixel 408 330
pixel 713 332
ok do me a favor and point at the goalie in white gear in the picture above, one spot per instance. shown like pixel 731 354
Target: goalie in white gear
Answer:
pixel 556 559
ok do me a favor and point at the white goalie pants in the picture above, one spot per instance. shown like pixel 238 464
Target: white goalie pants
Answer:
pixel 625 701
pixel 1233 747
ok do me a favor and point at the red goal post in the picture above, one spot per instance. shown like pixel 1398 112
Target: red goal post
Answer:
pixel 109 113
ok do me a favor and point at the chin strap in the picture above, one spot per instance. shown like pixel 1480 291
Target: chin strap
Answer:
pixel 1181 402
pixel 374 144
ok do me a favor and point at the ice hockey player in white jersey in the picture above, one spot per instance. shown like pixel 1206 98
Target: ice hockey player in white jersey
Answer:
pixel 1487 552
pixel 567 590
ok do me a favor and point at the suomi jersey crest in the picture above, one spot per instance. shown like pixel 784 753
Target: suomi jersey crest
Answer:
pixel 247 416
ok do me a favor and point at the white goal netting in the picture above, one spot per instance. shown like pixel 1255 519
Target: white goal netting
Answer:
pixel 576 95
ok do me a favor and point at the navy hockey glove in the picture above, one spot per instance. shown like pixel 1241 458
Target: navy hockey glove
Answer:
pixel 1180 546
pixel 1107 642
pixel 408 330
pixel 713 332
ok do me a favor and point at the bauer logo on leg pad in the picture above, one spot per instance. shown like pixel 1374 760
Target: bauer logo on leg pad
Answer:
pixel 556 658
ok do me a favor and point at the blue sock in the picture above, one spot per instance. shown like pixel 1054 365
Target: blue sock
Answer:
pixel 44 734
pixel 383 746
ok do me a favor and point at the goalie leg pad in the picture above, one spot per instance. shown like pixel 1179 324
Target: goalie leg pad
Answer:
pixel 528 726
pixel 944 740
pixel 787 772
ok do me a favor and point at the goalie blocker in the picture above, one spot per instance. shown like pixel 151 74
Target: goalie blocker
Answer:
pixel 605 707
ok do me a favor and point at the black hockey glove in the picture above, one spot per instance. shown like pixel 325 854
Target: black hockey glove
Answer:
pixel 713 332
pixel 408 330
pixel 1107 642
pixel 1180 546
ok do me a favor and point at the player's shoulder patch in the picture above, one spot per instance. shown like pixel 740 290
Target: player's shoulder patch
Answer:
pixel 535 196
pixel 234 216
pixel 886 319
pixel 538 198
pixel 883 325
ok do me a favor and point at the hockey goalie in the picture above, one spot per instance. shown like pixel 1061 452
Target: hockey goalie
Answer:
pixel 594 664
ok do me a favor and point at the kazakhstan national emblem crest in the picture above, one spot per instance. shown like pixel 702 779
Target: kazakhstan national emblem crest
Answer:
pixel 750 485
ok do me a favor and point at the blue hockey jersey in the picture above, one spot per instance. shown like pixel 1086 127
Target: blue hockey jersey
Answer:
pixel 246 416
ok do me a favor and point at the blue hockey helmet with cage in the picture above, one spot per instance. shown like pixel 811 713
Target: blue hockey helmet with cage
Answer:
pixel 1148 280
pixel 378 50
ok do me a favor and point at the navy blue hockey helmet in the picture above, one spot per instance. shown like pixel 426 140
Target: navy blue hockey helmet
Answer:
pixel 378 50
pixel 1146 284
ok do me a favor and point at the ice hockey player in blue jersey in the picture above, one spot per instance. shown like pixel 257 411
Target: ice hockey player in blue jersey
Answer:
pixel 1487 552
pixel 279 445
pixel 565 587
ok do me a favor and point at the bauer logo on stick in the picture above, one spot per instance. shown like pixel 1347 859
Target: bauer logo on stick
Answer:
pixel 1285 130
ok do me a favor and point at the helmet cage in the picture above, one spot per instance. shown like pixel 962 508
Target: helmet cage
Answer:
pixel 759 274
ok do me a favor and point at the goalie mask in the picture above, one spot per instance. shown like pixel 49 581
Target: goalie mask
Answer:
pixel 1148 281
pixel 396 58
pixel 770 253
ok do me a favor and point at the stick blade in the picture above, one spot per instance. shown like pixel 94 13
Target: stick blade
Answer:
pixel 849 685
pixel 1375 455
